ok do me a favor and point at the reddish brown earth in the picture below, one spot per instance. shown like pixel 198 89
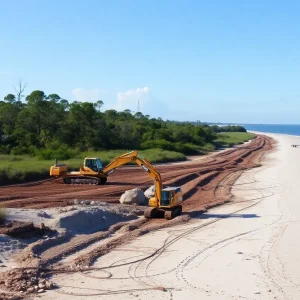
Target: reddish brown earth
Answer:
pixel 200 181
pixel 205 184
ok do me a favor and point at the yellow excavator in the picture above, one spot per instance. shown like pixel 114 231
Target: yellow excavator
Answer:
pixel 165 203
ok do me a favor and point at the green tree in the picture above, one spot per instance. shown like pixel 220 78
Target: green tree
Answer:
pixel 53 97
pixel 8 115
pixel 10 98
pixel 98 105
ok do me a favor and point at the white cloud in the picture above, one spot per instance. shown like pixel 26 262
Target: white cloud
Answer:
pixel 87 95
pixel 129 99
pixel 149 104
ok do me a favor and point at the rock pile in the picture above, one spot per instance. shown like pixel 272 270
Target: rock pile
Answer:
pixel 25 281
pixel 134 196
pixel 149 193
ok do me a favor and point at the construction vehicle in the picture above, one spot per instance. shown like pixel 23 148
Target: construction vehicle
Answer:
pixel 90 173
pixel 166 201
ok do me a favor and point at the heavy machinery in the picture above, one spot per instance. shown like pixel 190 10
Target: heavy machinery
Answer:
pixel 165 203
pixel 90 173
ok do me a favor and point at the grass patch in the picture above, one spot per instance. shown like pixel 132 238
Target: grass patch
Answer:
pixel 22 168
pixel 153 155
pixel 17 169
pixel 229 139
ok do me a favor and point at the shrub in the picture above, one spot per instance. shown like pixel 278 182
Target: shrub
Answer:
pixel 61 153
pixel 21 150
pixel 230 139
pixel 159 156
pixel 187 148
pixel 4 149
pixel 161 144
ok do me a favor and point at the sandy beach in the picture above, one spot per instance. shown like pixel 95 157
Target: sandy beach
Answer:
pixel 247 249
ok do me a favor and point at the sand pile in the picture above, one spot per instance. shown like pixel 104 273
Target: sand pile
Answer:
pixel 89 219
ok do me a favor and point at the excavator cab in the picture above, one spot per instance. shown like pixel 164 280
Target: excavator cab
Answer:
pixel 166 197
pixel 170 196
pixel 94 164
pixel 169 205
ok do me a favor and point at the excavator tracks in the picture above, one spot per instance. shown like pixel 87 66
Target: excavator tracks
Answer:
pixel 84 180
pixel 153 212
pixel 173 213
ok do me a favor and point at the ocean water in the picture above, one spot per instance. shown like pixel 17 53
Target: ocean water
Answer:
pixel 274 128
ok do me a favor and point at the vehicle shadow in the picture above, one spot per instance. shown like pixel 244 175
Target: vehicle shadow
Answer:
pixel 203 215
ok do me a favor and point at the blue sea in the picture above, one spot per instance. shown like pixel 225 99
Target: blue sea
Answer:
pixel 274 128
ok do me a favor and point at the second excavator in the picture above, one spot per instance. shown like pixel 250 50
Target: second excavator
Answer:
pixel 166 201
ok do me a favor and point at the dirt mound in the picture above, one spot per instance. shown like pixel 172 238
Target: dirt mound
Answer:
pixel 130 232
pixel 25 281
pixel 5 296
pixel 23 229
pixel 90 220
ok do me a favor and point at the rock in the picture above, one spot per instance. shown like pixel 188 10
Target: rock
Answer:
pixel 42 286
pixel 149 193
pixel 133 196
pixel 92 203
pixel 76 202
pixel 41 291
pixel 36 288
pixel 31 290
pixel 49 285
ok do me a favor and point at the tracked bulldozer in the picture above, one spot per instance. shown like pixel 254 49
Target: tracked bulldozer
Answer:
pixel 166 201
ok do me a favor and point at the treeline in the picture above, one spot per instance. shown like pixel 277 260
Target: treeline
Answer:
pixel 49 126
pixel 228 128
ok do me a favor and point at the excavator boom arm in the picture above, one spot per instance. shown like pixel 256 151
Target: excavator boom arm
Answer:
pixel 145 164
pixel 154 174
pixel 120 161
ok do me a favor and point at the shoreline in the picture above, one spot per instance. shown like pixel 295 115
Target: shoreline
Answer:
pixel 268 133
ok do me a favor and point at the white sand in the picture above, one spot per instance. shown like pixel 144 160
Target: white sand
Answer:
pixel 246 250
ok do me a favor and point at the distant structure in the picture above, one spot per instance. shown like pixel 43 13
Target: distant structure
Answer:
pixel 138 106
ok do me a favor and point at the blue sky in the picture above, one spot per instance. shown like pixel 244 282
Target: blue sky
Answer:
pixel 220 61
